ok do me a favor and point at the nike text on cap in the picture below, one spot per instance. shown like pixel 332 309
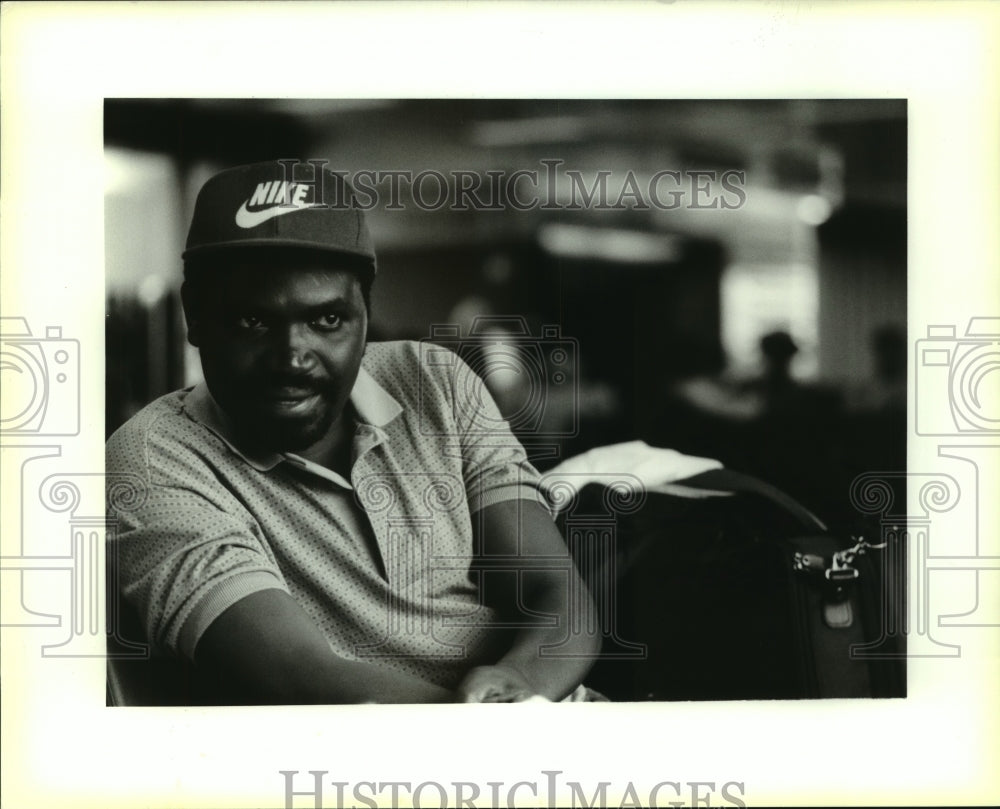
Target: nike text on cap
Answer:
pixel 283 203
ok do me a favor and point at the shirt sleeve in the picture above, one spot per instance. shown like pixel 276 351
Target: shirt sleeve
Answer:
pixel 496 466
pixel 183 553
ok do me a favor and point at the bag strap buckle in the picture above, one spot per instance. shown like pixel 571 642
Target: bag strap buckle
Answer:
pixel 840 569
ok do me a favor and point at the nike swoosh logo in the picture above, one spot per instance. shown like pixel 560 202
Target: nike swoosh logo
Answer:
pixel 250 219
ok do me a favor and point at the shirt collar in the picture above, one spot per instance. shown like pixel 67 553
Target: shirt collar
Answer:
pixel 373 404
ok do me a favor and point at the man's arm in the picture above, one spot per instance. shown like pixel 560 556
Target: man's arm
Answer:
pixel 524 528
pixel 265 649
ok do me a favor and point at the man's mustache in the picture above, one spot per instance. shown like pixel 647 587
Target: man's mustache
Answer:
pixel 302 382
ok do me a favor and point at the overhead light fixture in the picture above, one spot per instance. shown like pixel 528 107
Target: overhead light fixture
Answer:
pixel 609 244
pixel 546 129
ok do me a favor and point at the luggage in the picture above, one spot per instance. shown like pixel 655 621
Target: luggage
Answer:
pixel 747 596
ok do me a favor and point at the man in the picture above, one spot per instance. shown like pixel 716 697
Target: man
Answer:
pixel 319 515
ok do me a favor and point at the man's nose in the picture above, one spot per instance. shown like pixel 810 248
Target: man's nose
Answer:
pixel 292 347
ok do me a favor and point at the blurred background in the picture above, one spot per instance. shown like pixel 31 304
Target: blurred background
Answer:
pixel 768 332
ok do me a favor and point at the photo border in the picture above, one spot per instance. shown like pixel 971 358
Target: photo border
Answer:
pixel 60 61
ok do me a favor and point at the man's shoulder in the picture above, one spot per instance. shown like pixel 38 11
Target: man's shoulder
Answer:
pixel 398 365
pixel 156 415
pixel 160 426
pixel 410 356
pixel 416 372
pixel 390 355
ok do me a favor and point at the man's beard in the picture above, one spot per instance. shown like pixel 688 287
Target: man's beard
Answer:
pixel 294 435
pixel 285 433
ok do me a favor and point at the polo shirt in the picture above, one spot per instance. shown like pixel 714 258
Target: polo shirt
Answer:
pixel 380 562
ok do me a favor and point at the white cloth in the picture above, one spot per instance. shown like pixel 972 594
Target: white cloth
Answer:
pixel 655 469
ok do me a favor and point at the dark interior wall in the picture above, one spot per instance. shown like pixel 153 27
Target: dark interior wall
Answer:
pixel 862 271
pixel 637 327
pixel 229 132
pixel 863 245
pixel 632 329
pixel 415 288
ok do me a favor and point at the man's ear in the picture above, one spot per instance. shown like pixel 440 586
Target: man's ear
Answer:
pixel 190 314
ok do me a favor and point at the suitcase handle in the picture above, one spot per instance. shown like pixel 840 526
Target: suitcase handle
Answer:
pixel 738 482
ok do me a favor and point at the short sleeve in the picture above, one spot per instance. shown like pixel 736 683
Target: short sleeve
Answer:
pixel 183 551
pixel 496 466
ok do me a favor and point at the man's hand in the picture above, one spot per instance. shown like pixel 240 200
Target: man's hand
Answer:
pixel 495 684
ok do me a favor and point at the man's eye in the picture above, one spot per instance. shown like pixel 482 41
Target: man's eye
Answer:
pixel 249 322
pixel 328 322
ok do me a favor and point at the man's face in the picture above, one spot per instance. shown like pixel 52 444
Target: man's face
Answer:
pixel 280 347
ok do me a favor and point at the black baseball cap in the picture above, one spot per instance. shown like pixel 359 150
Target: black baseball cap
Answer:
pixel 280 203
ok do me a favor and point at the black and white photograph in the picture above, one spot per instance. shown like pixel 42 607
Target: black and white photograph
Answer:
pixel 596 386
pixel 494 404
